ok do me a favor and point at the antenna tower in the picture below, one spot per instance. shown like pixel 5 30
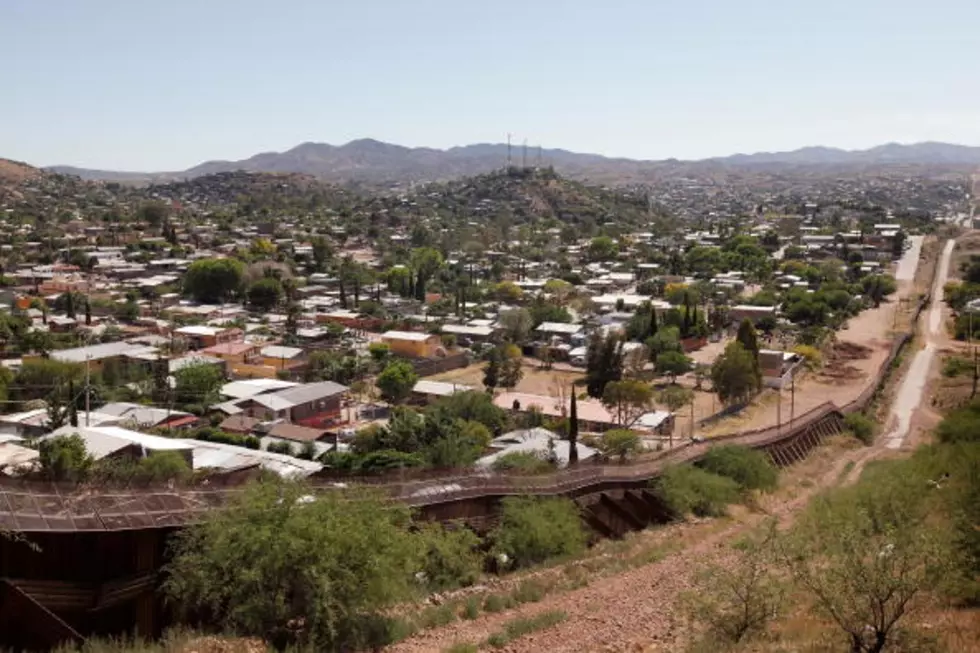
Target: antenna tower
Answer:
pixel 508 149
pixel 524 156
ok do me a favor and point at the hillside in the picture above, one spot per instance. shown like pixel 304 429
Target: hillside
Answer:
pixel 15 172
pixel 375 162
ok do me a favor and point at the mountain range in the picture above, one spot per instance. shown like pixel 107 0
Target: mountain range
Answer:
pixel 372 161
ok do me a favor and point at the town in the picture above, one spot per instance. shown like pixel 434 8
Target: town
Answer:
pixel 456 345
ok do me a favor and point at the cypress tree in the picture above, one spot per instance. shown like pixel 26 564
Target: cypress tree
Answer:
pixel 573 431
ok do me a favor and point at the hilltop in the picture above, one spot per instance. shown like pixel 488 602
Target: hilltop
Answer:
pixel 371 161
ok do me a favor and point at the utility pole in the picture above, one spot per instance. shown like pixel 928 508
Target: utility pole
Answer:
pixel 88 387
pixel 792 400
pixel 779 408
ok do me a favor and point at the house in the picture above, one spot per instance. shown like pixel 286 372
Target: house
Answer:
pixel 559 330
pixel 660 422
pixel 753 313
pixel 592 415
pixel 140 416
pixel 250 387
pixel 201 336
pixel 309 404
pixel 471 333
pixel 778 367
pixel 426 391
pixel 14 457
pixel 413 344
pixel 97 355
pixel 243 359
pixel 538 441
pixel 229 457
pixel 298 437
pixel 283 358
pixel 117 442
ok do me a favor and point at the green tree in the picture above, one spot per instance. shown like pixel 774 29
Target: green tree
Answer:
pixel 64 458
pixel 736 601
pixel 673 364
pixel 332 563
pixel 627 400
pixel 603 362
pixel 214 280
pixel 878 286
pixel 602 248
pixel 620 442
pixel 573 430
pixel 867 555
pixel 516 325
pixel 734 375
pixel 492 370
pixel 265 294
pixel 153 213
pixel 396 381
pixel 198 385
pixel 511 370
pixel 675 397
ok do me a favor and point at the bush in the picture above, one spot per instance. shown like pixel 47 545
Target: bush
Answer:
pixel 516 628
pixel 336 564
pixel 620 442
pixel 954 366
pixel 861 426
pixel 686 489
pixel 534 530
pixel 749 468
pixel 65 458
pixel 452 557
pixel 811 356
pixel 961 425
pixel 522 462
pixel 497 603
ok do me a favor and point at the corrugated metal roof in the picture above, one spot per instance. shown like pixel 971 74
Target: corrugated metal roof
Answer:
pixel 101 441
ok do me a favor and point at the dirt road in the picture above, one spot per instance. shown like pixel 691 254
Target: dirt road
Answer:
pixel 910 392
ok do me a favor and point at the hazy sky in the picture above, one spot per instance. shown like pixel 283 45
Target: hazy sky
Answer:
pixel 166 84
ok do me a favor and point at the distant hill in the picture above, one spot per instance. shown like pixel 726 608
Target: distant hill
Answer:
pixel 372 161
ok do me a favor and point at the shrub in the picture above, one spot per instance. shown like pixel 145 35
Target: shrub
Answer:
pixel 686 489
pixel 811 355
pixel 749 468
pixel 65 458
pixel 861 426
pixel 954 366
pixel 961 425
pixel 533 530
pixel 452 558
pixel 620 442
pixel 336 563
pixel 471 610
pixel 497 603
pixel 516 628
pixel 522 462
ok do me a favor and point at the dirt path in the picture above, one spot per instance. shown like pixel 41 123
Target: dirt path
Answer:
pixel 910 392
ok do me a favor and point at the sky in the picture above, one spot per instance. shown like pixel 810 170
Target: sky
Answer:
pixel 154 85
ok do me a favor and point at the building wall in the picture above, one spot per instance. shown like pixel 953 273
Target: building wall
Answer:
pixel 413 348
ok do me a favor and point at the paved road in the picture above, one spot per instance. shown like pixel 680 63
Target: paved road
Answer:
pixel 910 391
